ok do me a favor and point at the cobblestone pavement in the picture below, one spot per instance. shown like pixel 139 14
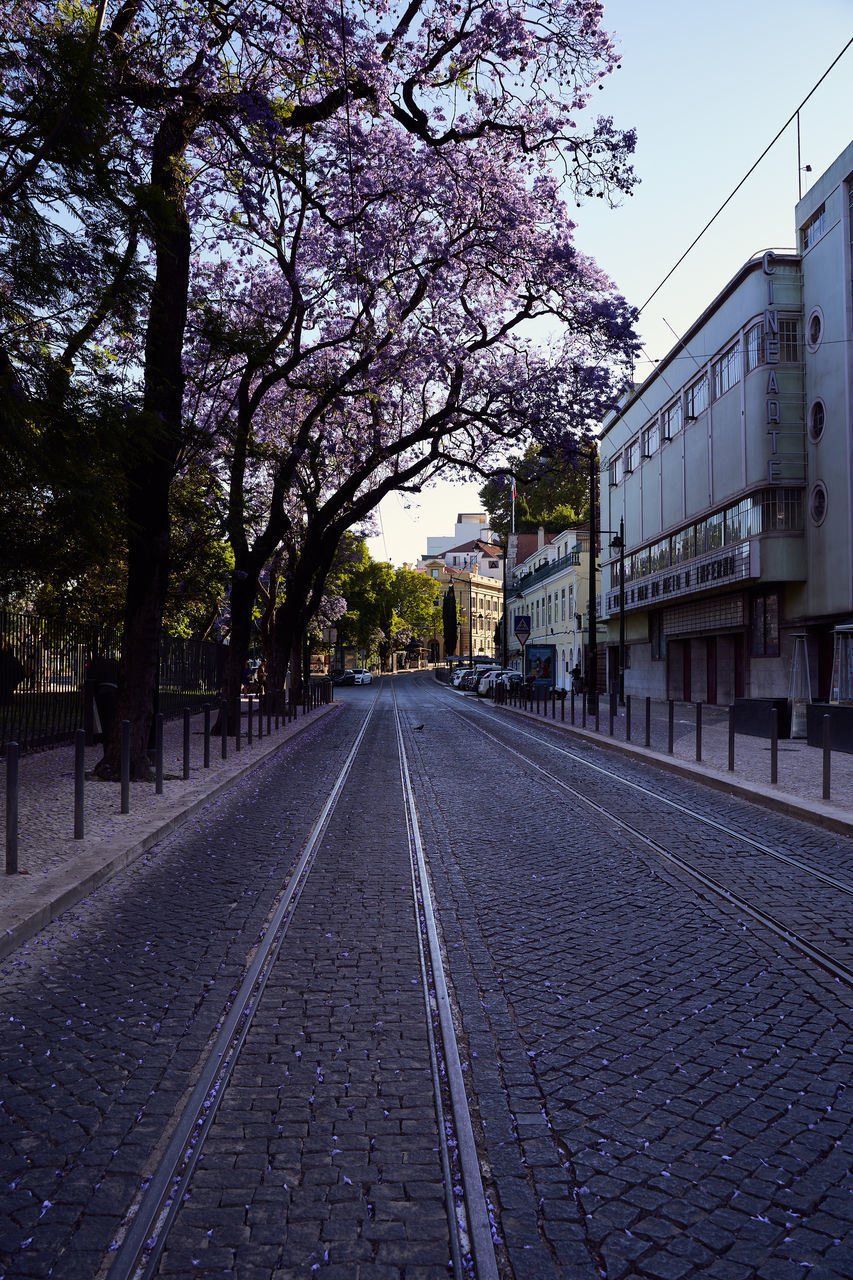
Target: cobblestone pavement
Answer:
pixel 659 1089
pixel 676 1080
pixel 325 1154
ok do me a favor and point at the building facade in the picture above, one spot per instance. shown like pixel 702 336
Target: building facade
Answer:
pixel 551 588
pixel 731 469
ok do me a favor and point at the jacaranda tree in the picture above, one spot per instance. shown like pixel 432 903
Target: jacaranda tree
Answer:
pixel 324 234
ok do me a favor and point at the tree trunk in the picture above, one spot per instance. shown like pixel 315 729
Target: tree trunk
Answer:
pixel 154 451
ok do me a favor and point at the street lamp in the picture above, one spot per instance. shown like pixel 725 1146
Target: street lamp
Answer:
pixel 618 544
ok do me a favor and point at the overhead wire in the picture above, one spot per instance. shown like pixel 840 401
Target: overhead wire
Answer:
pixel 747 175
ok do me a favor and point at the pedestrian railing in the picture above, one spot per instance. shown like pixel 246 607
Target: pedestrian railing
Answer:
pixel 655 726
pixel 265 715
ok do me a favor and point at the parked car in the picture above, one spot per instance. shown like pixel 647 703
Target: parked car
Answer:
pixel 490 678
pixel 344 677
pixel 459 675
pixel 362 675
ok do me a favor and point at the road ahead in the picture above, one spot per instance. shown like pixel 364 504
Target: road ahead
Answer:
pixel 657 1083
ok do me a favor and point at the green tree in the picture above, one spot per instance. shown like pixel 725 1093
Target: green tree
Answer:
pixel 549 492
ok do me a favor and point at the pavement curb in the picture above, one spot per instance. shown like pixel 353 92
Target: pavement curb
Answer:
pixel 54 893
pixel 816 812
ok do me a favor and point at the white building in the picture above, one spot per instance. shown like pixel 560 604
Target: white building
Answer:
pixel 731 466
pixel 470 526
pixel 550 587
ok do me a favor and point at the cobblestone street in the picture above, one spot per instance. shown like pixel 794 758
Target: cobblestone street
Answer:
pixel 658 1084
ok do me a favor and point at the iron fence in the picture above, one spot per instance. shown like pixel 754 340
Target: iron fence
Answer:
pixel 57 678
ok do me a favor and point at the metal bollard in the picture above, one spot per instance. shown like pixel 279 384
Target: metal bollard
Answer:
pixel 731 737
pixel 249 721
pixel 186 743
pixel 670 741
pixel 628 717
pixel 11 808
pixel 597 714
pixel 158 757
pixel 553 704
pixel 698 731
pixel 563 707
pixel 239 724
pixel 774 745
pixel 610 711
pixel 827 756
pixel 583 711
pixel 79 782
pixel 223 719
pixel 125 766
pixel 648 722
pixel 207 735
pixel 277 704
pixel 573 707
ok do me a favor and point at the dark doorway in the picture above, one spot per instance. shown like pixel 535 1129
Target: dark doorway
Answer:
pixel 711 670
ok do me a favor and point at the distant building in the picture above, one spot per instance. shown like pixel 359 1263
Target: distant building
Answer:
pixel 470 527
pixel 550 586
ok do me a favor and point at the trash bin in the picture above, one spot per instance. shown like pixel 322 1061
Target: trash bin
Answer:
pixel 106 696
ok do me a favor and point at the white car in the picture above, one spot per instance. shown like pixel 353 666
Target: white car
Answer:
pixel 459 674
pixel 362 675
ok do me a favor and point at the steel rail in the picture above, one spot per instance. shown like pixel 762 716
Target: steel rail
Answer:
pixel 137 1253
pixel 476 1208
pixel 844 886
pixel 838 970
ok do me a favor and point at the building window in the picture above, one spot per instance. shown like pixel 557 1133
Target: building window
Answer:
pixel 754 346
pixel 632 455
pixel 697 397
pixel 651 439
pixel 765 626
pixel 818 502
pixel 563 605
pixel 813 229
pixel 817 421
pixel 615 469
pixel 789 341
pixel 671 420
pixel 814 329
pixel 726 371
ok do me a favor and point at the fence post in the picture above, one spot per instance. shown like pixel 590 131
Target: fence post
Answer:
pixel 158 749
pixel 610 710
pixel 670 740
pixel 223 719
pixel 238 727
pixel 207 735
pixel 827 756
pixel 11 808
pixel 563 707
pixel 249 721
pixel 79 782
pixel 628 717
pixel 598 713
pixel 774 745
pixel 186 743
pixel 648 722
pixel 125 766
pixel 553 704
pixel 698 731
pixel 731 737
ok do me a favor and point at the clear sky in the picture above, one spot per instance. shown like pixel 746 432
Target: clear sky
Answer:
pixel 707 87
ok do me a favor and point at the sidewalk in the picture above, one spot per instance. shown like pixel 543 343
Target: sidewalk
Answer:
pixel 797 792
pixel 55 870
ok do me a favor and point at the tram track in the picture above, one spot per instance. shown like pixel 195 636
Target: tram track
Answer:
pixel 137 1251
pixel 816 883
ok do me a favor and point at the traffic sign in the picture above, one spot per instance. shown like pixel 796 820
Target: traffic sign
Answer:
pixel 522 628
